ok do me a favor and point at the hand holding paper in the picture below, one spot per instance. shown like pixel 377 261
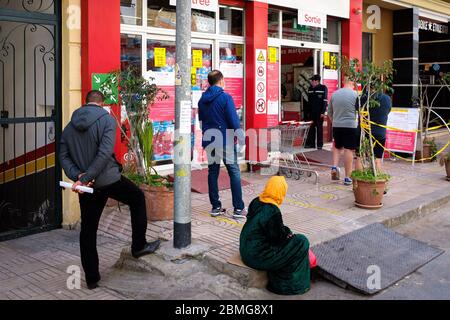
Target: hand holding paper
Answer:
pixel 68 185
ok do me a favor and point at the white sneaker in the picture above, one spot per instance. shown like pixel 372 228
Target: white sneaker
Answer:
pixel 215 212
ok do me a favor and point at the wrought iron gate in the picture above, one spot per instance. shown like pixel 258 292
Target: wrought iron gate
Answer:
pixel 30 107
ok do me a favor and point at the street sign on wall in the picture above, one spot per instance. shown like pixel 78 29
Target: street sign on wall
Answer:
pixel 110 91
pixel 261 81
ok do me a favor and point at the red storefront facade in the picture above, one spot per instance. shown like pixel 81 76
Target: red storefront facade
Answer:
pixel 262 46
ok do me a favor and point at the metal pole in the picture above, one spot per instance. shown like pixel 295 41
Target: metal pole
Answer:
pixel 183 115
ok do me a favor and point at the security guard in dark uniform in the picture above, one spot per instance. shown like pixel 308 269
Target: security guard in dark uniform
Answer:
pixel 315 111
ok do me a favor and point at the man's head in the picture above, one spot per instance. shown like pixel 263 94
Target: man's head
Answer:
pixel 95 97
pixel 348 83
pixel 315 80
pixel 215 78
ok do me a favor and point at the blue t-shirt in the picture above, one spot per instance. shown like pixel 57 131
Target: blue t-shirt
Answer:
pixel 380 114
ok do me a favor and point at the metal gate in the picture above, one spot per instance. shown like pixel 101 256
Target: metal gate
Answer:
pixel 30 108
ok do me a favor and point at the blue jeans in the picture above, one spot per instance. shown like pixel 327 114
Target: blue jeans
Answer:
pixel 229 157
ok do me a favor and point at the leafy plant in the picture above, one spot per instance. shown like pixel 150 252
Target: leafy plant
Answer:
pixel 137 95
pixel 444 158
pixel 374 80
pixel 433 147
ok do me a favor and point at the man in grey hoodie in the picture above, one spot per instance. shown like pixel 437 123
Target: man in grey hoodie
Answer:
pixel 87 157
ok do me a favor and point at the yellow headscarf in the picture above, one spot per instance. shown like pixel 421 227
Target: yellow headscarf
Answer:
pixel 275 191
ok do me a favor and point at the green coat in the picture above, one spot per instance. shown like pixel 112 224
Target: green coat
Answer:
pixel 264 245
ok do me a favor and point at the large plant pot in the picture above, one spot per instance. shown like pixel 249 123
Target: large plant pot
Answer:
pixel 159 202
pixel 447 169
pixel 369 195
pixel 426 153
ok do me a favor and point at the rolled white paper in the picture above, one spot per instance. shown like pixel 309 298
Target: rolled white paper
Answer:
pixel 81 188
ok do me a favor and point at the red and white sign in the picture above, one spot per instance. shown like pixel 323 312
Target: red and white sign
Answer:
pixel 273 89
pixel 403 119
pixel 206 5
pixel 234 81
pixel 311 18
pixel 260 81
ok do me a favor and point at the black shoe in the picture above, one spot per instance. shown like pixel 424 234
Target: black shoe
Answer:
pixel 92 286
pixel 149 248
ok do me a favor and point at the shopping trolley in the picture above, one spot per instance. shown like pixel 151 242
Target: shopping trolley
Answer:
pixel 285 145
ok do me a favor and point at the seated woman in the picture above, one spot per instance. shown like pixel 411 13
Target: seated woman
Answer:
pixel 266 244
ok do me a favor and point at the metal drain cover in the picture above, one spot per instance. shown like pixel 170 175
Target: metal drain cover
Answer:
pixel 372 258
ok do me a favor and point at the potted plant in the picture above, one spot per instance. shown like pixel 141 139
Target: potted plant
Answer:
pixel 429 150
pixel 369 184
pixel 137 95
pixel 444 160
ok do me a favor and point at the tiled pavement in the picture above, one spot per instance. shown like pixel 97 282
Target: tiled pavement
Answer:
pixel 308 208
pixel 35 267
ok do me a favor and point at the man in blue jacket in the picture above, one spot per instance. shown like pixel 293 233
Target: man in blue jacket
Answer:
pixel 221 129
pixel 87 157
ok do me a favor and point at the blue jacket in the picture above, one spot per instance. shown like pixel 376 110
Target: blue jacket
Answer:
pixel 217 111
pixel 380 115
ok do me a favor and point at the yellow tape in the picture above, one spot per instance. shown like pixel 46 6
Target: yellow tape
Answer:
pixel 365 123
pixel 399 157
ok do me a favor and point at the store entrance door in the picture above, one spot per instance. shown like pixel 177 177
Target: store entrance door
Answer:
pixel 298 65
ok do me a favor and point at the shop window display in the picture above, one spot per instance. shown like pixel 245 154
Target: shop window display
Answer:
pixel 162 15
pixel 161 61
pixel 131 12
pixel 130 52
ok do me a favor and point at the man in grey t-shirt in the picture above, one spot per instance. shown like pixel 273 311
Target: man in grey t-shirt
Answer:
pixel 343 112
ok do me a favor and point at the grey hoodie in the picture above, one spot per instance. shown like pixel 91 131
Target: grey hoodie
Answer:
pixel 87 146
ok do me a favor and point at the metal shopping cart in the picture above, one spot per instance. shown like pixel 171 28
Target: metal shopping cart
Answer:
pixel 285 143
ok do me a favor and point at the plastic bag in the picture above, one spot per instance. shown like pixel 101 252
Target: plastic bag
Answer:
pixel 312 259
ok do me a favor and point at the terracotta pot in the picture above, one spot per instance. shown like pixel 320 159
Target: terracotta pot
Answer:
pixel 369 195
pixel 159 202
pixel 447 169
pixel 426 153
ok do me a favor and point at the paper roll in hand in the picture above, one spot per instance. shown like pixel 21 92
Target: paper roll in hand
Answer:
pixel 68 185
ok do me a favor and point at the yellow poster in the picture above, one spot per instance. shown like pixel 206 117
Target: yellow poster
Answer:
pixel 193 76
pixel 326 59
pixel 272 55
pixel 160 57
pixel 239 50
pixel 197 58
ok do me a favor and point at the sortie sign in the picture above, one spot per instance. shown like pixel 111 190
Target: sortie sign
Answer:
pixel 206 5
pixel 312 19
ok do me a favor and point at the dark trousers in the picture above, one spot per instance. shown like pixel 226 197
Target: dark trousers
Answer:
pixel 229 157
pixel 316 130
pixel 92 206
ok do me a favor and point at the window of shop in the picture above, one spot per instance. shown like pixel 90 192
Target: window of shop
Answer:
pixel 293 31
pixel 367 40
pixel 332 33
pixel 160 14
pixel 131 51
pixel 231 21
pixel 217 43
pixel 274 23
pixel 131 12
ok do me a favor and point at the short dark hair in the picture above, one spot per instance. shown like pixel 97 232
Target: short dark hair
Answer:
pixel 214 77
pixel 95 96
